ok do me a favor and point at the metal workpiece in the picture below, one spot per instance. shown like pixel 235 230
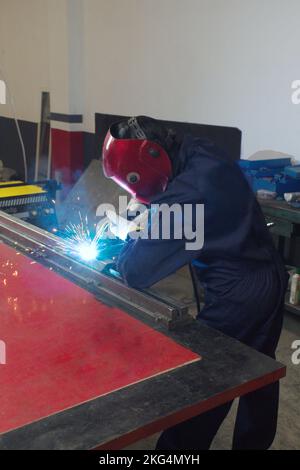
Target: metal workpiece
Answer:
pixel 91 275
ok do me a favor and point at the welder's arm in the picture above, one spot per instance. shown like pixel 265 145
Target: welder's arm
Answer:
pixel 227 200
pixel 228 204
pixel 142 263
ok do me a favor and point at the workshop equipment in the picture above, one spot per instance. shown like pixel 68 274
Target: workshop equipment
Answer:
pixel 274 175
pixel 34 203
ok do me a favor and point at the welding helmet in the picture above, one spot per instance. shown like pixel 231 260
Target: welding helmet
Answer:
pixel 134 161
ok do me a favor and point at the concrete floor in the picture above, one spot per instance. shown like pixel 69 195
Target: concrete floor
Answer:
pixel 288 433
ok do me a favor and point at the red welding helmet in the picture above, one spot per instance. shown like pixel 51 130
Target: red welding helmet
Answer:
pixel 139 165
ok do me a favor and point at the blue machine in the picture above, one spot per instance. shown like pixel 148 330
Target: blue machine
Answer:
pixel 276 175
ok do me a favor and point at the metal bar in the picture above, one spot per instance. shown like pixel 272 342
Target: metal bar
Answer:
pixel 44 246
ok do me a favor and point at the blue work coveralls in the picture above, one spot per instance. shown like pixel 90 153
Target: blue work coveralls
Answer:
pixel 242 274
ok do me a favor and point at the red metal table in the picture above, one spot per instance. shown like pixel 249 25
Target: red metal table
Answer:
pixel 82 374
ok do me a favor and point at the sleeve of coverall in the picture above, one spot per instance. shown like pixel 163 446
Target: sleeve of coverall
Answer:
pixel 228 201
pixel 143 262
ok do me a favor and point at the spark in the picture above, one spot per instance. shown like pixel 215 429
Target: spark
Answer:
pixel 87 251
pixel 79 241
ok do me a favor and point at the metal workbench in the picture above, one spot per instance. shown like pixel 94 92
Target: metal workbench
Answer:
pixel 286 228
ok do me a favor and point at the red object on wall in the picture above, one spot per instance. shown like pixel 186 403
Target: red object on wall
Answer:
pixel 67 154
pixel 64 347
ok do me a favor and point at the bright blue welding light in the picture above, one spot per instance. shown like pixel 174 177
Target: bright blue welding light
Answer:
pixel 87 251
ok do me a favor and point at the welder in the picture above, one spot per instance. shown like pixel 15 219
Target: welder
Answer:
pixel 238 266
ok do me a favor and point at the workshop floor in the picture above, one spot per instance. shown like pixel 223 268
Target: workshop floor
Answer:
pixel 288 434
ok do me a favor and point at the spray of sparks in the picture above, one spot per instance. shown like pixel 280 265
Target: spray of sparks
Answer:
pixel 78 240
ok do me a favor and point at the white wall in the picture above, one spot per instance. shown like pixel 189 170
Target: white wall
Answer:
pixel 24 55
pixel 66 55
pixel 227 62
pixel 41 49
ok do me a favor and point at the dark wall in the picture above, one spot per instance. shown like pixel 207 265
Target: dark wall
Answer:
pixel 10 146
pixel 11 152
pixel 227 138
pixel 89 148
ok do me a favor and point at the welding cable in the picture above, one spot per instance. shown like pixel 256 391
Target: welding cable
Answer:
pixel 195 286
pixel 12 103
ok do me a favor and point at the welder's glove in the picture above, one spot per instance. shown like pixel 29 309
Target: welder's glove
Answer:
pixel 122 227
pixel 127 223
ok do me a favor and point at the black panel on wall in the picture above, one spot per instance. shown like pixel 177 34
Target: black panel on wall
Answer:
pixel 10 146
pixel 227 138
pixel 89 151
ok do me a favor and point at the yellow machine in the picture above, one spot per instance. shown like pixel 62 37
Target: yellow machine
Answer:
pixel 33 203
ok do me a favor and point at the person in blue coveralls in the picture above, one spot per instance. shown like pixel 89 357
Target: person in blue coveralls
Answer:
pixel 237 264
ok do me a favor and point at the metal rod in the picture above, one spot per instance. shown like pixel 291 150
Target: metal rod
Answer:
pixel 44 247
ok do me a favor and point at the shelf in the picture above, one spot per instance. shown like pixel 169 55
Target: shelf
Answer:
pixel 292 308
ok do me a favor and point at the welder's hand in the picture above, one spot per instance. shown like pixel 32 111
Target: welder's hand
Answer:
pixel 119 226
pixel 122 227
